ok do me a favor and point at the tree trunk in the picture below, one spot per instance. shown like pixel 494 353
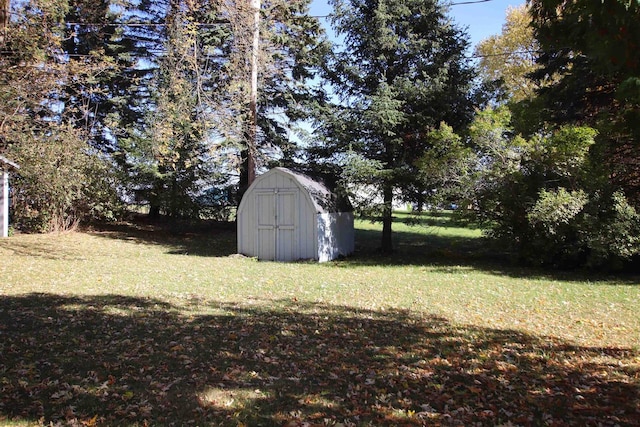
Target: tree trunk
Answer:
pixel 155 200
pixel 253 95
pixel 387 218
pixel 248 156
pixel 154 211
pixel 247 172
pixel 5 9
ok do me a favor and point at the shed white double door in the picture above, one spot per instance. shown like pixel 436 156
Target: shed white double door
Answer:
pixel 277 210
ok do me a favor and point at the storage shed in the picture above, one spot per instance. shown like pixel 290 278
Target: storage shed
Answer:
pixel 287 216
pixel 5 166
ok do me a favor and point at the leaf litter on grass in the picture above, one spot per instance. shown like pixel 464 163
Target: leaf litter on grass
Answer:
pixel 112 360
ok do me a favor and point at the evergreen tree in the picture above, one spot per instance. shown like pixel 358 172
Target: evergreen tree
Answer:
pixel 296 47
pixel 291 48
pixel 177 126
pixel 401 73
pixel 110 103
pixel 156 88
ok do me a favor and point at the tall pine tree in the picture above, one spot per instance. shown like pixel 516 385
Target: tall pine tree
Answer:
pixel 292 46
pixel 401 73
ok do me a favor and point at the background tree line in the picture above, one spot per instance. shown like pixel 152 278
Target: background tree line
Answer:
pixel 146 101
pixel 111 103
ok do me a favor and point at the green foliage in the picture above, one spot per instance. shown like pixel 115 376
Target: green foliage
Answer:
pixel 613 232
pixel 591 50
pixel 608 39
pixel 173 170
pixel 29 73
pixel 570 229
pixel 166 104
pixel 384 115
pixel 565 151
pixel 360 179
pixel 490 133
pixel 444 167
pixel 401 73
pixel 553 209
pixel 292 46
pixel 546 200
pixel 61 182
pixel 293 49
pixel 555 196
pixel 46 125
pixel 629 90
pixel 551 228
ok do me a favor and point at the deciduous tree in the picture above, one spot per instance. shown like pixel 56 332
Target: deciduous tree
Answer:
pixel 544 198
pixel 510 57
pixel 62 179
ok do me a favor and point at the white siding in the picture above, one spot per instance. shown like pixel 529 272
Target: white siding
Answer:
pixel 346 233
pixel 265 209
pixel 4 203
pixel 335 235
pixel 287 229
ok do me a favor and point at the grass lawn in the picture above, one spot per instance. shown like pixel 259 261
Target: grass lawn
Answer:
pixel 136 325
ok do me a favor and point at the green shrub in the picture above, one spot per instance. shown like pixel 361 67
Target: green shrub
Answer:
pixel 612 233
pixel 546 199
pixel 555 209
pixel 61 182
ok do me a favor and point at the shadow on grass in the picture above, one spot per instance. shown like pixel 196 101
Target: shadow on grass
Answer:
pixel 424 247
pixel 38 249
pixel 449 252
pixel 199 238
pixel 112 360
pixel 436 218
pixel 420 247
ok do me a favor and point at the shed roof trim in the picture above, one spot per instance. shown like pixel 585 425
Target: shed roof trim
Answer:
pixel 4 162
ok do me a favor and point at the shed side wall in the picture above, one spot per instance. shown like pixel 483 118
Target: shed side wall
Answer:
pixel 4 203
pixel 336 235
pixel 246 234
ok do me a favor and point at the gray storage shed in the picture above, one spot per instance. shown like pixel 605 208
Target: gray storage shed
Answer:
pixel 287 216
pixel 5 166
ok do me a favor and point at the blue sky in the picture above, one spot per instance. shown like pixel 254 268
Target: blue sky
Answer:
pixel 481 19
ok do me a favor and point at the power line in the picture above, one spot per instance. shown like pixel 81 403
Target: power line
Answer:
pixel 469 2
pixel 160 24
pixel 515 52
pixel 162 51
pixel 143 24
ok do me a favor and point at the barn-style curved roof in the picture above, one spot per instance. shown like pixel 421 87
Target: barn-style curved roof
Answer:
pixel 324 200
